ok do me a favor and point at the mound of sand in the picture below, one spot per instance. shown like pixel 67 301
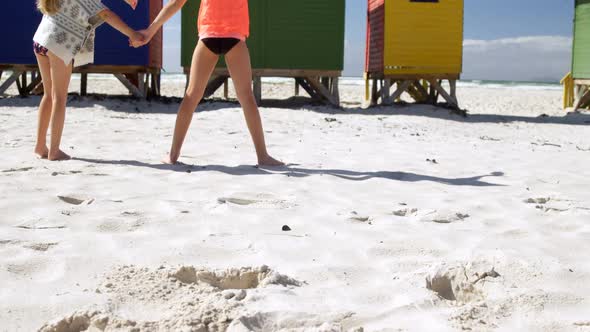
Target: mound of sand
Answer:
pixel 183 299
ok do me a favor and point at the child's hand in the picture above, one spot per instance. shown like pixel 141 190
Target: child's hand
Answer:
pixel 137 39
pixel 132 3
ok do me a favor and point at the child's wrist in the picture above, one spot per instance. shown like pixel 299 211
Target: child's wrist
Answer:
pixel 152 30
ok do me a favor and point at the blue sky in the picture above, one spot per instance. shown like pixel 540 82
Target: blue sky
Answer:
pixel 527 40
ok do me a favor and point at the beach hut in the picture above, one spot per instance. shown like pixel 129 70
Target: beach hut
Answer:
pixel 138 69
pixel 414 45
pixel 301 39
pixel 580 74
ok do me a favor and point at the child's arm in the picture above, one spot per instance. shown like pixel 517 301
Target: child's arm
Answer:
pixel 171 8
pixel 115 21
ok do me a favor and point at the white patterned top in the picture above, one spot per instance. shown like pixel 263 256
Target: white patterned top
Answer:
pixel 69 34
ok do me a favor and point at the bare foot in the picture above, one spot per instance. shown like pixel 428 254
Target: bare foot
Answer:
pixel 269 161
pixel 169 160
pixel 42 152
pixel 59 155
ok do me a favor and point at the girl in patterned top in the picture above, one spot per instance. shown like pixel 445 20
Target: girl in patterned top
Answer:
pixel 223 29
pixel 64 39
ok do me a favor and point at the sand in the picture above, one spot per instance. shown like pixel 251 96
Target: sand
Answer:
pixel 401 218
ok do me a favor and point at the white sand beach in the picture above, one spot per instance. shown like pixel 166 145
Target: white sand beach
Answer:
pixel 403 218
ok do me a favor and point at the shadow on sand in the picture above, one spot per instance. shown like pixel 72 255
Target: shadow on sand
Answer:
pixel 169 105
pixel 300 172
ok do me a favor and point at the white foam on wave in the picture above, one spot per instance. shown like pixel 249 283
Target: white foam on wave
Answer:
pixel 358 81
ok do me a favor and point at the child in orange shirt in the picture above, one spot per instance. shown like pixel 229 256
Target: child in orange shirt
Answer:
pixel 223 28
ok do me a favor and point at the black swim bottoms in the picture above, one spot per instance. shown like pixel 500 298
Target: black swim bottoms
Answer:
pixel 220 46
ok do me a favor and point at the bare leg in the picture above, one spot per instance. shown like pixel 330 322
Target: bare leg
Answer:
pixel 240 69
pixel 41 149
pixel 202 67
pixel 60 78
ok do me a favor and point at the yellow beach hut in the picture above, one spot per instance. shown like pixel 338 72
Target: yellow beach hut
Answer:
pixel 416 45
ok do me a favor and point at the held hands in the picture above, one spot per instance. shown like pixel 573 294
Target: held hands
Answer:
pixel 141 38
pixel 138 39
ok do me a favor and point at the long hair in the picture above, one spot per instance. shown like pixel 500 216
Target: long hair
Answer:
pixel 48 7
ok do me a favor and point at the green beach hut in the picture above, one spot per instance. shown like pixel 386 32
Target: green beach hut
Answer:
pixel 300 39
pixel 579 79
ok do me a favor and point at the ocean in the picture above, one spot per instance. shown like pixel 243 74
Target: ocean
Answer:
pixel 179 77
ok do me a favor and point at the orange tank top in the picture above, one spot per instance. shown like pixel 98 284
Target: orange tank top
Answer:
pixel 224 18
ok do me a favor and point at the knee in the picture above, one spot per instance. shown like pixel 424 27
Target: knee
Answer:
pixel 47 98
pixel 244 92
pixel 59 99
pixel 247 99
pixel 193 97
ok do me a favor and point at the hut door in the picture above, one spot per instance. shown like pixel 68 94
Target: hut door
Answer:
pixel 423 37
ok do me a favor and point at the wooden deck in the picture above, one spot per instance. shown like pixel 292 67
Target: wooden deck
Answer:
pixel 423 88
pixel 581 94
pixel 140 81
pixel 321 85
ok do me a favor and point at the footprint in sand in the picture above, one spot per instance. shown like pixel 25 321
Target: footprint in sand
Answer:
pixel 488 138
pixel 119 225
pixel 406 212
pixel 42 224
pixel 25 268
pixel 540 203
pixel 514 233
pixel 40 246
pixel 552 204
pixel 69 213
pixel 445 217
pixel 255 199
pixel 358 218
pixel 403 250
pixel 36 268
pixel 266 321
pixel 6 243
pixel 131 214
pixel 540 200
pixel 76 200
pixel 128 221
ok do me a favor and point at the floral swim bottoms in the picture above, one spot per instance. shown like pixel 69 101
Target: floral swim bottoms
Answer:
pixel 40 49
